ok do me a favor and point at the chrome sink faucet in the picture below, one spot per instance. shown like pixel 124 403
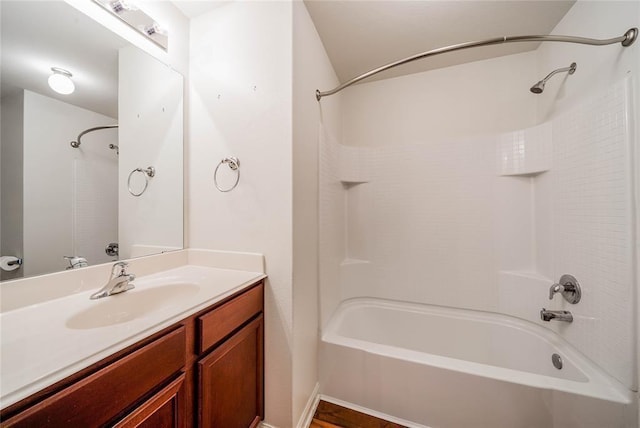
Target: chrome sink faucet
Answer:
pixel 119 282
pixel 546 315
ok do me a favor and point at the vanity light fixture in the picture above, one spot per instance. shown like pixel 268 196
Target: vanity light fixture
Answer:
pixel 152 29
pixel 119 6
pixel 128 12
pixel 60 81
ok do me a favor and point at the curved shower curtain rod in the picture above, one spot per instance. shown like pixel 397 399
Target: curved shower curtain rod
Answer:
pixel 626 39
pixel 75 144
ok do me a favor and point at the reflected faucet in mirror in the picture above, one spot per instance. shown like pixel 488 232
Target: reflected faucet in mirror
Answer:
pixel 76 262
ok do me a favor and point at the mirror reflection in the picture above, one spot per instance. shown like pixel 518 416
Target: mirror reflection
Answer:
pixel 91 144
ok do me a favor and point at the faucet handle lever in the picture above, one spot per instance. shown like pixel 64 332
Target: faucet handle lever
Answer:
pixel 569 288
pixel 119 269
pixel 555 288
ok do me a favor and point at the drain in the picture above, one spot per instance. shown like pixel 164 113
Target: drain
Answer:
pixel 557 361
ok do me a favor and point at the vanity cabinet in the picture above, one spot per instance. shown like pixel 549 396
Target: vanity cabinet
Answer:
pixel 230 381
pixel 206 371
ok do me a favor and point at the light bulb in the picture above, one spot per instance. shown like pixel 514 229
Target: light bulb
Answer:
pixel 60 81
pixel 119 6
pixel 152 29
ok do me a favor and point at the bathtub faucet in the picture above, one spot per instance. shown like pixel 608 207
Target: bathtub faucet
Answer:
pixel 565 316
pixel 568 287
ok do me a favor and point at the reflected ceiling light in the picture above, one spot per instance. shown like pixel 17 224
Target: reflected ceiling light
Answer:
pixel 60 81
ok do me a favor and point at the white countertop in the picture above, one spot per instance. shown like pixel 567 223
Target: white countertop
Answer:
pixel 48 341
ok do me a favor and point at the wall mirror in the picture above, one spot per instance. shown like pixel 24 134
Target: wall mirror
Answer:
pixel 92 173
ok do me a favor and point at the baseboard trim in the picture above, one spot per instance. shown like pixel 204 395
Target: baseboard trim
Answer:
pixel 264 425
pixel 310 408
pixel 371 412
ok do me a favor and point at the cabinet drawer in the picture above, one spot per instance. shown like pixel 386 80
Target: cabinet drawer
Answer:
pixel 223 320
pixel 100 397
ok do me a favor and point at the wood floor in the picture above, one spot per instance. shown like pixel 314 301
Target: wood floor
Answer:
pixel 329 415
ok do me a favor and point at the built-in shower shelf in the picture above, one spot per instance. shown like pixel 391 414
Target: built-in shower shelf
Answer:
pixel 349 262
pixel 526 152
pixel 349 184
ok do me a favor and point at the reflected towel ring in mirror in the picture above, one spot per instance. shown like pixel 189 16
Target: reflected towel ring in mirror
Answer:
pixel 234 165
pixel 148 173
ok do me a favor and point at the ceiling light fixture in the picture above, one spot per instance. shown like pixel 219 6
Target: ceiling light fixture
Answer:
pixel 60 81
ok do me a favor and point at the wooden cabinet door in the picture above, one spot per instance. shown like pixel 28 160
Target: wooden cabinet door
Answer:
pixel 230 381
pixel 165 409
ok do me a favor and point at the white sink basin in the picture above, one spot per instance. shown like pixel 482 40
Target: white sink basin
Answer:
pixel 124 307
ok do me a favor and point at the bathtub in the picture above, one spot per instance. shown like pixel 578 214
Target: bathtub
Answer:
pixel 441 367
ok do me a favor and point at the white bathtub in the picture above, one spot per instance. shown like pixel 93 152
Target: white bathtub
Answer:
pixel 444 367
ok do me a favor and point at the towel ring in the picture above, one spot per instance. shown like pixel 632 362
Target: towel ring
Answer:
pixel 234 164
pixel 147 172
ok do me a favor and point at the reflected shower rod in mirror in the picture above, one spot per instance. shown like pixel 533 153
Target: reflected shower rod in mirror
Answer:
pixel 76 144
pixel 625 40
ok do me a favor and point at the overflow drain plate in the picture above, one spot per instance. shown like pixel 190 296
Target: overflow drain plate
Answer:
pixel 557 361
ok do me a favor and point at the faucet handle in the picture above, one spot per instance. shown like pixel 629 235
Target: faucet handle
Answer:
pixel 555 288
pixel 119 268
pixel 569 288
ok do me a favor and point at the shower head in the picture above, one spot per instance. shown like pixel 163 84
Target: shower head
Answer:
pixel 539 87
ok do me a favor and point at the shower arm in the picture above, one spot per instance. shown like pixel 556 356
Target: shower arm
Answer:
pixel 75 144
pixel 626 39
pixel 571 69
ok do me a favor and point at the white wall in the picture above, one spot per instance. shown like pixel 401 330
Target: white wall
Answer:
pixel 11 179
pixel 598 101
pixel 311 70
pixel 419 226
pixel 460 101
pixel 150 113
pixel 598 67
pixel 240 102
pixel 57 180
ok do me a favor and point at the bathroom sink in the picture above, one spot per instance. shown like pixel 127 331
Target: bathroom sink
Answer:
pixel 127 306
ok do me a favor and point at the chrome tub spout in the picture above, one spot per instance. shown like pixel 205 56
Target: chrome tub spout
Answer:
pixel 546 315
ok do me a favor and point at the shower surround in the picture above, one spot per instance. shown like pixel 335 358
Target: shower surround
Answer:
pixel 485 209
pixel 448 223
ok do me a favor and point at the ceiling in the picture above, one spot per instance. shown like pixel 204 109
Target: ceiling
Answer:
pixel 362 35
pixel 38 35
pixel 193 8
